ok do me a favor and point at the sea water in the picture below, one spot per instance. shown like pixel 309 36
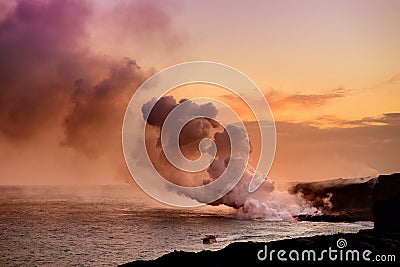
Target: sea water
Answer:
pixel 110 225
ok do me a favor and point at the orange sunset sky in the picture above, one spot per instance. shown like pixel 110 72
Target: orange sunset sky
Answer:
pixel 330 71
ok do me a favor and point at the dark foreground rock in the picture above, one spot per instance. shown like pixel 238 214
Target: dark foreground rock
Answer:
pixel 386 203
pixel 386 245
pixel 357 199
pixel 380 246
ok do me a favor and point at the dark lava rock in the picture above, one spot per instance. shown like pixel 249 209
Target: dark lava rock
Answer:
pixel 379 198
pixel 386 203
pixel 245 253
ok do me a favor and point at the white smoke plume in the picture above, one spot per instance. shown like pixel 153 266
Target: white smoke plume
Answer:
pixel 266 203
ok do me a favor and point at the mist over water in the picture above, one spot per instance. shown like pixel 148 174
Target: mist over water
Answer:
pixel 113 225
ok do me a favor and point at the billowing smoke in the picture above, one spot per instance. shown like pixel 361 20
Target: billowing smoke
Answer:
pixel 193 131
pixel 266 203
pixel 62 101
pixel 191 135
pixel 96 111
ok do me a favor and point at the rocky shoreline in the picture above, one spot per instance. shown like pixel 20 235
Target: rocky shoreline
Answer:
pixel 378 246
pixel 386 244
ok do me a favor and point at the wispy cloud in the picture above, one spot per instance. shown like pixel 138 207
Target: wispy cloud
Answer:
pixel 278 101
pixel 395 79
pixel 333 121
pixel 349 148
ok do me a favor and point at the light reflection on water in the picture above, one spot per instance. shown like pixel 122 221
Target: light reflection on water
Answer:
pixel 111 225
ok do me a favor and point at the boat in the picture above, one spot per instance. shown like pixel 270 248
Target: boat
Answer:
pixel 209 239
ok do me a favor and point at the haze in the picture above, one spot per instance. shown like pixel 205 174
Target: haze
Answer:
pixel 330 71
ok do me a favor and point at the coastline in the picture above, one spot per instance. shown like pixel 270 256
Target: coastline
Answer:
pixel 376 242
pixel 382 241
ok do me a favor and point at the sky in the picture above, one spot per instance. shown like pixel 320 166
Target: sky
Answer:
pixel 329 70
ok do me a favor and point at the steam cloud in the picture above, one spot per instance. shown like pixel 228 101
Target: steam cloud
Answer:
pixel 60 96
pixel 266 203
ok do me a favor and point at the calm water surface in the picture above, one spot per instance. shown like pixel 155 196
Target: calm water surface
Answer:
pixel 110 225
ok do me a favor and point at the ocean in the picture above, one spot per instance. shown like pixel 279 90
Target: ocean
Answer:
pixel 111 225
